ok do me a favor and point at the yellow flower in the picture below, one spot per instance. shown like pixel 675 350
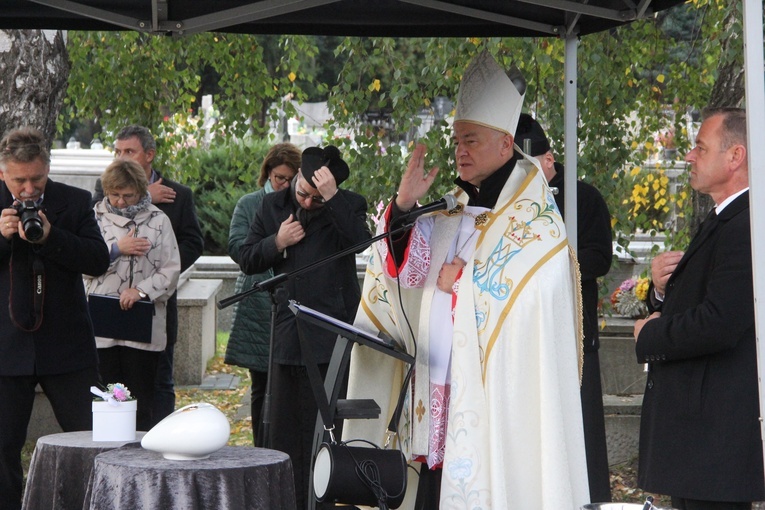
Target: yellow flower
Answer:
pixel 292 76
pixel 641 289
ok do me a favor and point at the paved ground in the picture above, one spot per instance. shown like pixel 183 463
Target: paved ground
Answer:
pixel 216 382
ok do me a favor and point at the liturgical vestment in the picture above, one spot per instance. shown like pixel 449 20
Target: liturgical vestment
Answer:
pixel 514 426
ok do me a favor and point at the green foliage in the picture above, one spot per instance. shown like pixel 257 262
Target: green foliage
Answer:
pixel 226 171
pixel 121 78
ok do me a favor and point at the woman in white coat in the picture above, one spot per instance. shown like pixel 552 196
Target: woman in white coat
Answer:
pixel 145 265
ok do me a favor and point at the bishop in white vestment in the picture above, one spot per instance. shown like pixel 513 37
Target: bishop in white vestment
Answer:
pixel 486 298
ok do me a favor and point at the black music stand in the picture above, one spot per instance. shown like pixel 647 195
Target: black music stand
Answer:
pixel 327 392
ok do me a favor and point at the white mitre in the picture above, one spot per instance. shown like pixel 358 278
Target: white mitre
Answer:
pixel 488 97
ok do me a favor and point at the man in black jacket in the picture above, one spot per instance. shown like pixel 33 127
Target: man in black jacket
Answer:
pixel 594 251
pixel 700 438
pixel 46 336
pixel 310 220
pixel 177 202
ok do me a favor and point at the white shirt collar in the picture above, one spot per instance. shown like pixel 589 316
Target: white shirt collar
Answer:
pixel 724 204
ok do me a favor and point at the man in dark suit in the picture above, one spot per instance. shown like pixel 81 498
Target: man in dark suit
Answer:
pixel 700 432
pixel 46 336
pixel 177 202
pixel 594 251
pixel 310 220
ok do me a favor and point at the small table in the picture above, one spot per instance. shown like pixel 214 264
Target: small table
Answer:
pixel 236 478
pixel 60 467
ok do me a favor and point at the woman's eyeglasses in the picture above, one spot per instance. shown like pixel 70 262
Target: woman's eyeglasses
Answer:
pixel 115 197
pixel 281 179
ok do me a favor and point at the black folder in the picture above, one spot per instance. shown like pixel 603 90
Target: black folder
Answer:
pixel 111 321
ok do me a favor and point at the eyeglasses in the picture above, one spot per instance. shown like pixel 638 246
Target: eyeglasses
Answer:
pixel 114 197
pixel 280 178
pixel 316 198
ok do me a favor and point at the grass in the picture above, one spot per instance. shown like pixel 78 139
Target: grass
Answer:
pixel 623 477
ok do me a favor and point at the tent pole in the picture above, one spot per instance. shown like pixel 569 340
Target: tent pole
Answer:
pixel 570 134
pixel 755 119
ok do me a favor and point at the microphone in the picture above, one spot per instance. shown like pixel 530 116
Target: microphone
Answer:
pixel 448 202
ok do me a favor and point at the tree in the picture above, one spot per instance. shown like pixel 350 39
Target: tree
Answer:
pixel 121 78
pixel 728 89
pixel 33 76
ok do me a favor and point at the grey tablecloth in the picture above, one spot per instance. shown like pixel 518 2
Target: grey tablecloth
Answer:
pixel 60 468
pixel 236 478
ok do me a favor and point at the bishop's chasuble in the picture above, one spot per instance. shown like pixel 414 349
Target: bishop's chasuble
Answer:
pixel 513 435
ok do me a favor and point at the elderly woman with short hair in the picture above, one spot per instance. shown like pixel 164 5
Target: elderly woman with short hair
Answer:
pixel 145 265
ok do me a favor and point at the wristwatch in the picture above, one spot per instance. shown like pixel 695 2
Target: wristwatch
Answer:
pixel 142 294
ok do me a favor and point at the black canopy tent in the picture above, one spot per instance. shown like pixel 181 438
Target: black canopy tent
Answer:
pixel 394 18
pixel 567 19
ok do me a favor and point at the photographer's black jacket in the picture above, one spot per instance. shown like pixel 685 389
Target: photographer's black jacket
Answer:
pixel 64 342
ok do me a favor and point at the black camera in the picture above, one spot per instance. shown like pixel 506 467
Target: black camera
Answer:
pixel 30 219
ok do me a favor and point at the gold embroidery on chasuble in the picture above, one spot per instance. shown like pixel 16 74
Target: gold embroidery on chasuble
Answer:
pixel 420 411
pixel 511 239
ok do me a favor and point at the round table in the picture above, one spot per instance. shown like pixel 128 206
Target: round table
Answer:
pixel 236 478
pixel 60 467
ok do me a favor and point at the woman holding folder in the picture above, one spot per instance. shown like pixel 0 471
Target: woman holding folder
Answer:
pixel 145 266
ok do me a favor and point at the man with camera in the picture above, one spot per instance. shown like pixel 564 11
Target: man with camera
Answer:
pixel 49 238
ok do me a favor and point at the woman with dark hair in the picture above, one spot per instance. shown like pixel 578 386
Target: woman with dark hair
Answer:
pixel 249 340
pixel 145 265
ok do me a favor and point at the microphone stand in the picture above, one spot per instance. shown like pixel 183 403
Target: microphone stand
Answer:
pixel 278 296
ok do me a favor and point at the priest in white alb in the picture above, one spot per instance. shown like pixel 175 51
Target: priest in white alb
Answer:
pixel 486 297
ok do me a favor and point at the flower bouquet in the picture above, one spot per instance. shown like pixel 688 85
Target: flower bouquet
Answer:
pixel 116 392
pixel 114 413
pixel 629 299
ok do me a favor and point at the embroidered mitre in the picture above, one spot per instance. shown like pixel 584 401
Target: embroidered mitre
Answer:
pixel 489 97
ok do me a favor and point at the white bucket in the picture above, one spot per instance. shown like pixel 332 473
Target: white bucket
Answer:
pixel 114 422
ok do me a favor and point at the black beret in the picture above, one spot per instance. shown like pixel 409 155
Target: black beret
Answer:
pixel 316 157
pixel 529 129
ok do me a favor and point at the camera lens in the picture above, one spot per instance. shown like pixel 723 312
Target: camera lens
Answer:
pixel 33 228
pixel 30 221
